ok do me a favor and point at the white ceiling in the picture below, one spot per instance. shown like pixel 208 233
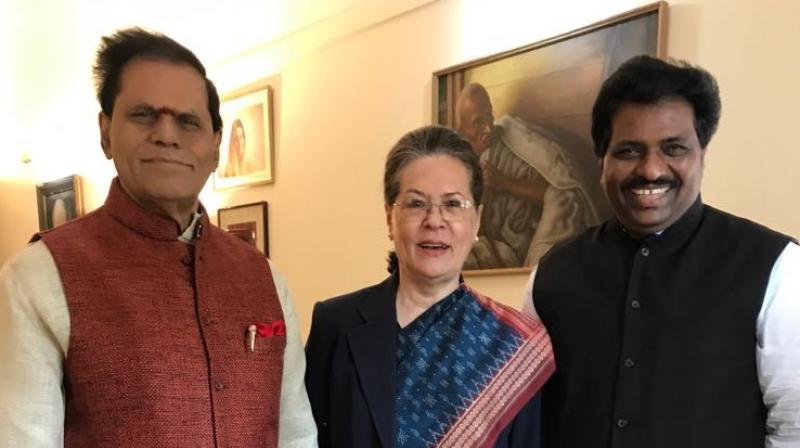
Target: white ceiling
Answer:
pixel 215 30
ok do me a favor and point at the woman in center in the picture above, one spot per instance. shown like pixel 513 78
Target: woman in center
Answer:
pixel 421 359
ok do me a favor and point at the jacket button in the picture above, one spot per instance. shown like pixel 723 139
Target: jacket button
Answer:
pixel 629 362
pixel 621 423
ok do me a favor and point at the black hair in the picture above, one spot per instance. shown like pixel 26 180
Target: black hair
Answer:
pixel 392 262
pixel 118 49
pixel 648 80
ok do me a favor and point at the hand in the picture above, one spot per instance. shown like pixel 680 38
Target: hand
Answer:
pixel 493 180
pixel 529 190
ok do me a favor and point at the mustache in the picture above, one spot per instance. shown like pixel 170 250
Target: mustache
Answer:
pixel 639 181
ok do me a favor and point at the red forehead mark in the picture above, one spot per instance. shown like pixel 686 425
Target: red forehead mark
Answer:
pixel 166 111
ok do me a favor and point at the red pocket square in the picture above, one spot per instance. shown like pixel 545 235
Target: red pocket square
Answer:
pixel 276 328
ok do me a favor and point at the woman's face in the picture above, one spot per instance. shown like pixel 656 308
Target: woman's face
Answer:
pixel 432 244
pixel 237 140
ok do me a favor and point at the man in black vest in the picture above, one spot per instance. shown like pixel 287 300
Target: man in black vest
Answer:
pixel 674 324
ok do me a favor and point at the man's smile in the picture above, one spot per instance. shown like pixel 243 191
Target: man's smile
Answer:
pixel 649 191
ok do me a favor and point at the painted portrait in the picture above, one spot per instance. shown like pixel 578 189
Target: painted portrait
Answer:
pixel 527 114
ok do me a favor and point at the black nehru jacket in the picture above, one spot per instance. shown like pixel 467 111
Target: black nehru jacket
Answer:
pixel 655 339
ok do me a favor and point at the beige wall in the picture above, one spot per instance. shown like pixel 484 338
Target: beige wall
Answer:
pixel 341 103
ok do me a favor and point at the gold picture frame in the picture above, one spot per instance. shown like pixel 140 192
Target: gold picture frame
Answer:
pixel 246 147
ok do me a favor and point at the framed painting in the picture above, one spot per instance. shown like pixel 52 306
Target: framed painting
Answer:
pixel 527 113
pixel 248 222
pixel 59 201
pixel 246 146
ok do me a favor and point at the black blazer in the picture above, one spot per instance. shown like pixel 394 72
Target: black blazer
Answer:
pixel 350 374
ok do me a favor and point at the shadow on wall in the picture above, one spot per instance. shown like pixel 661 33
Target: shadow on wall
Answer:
pixel 18 215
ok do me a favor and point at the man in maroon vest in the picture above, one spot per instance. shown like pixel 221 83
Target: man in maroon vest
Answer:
pixel 674 324
pixel 141 324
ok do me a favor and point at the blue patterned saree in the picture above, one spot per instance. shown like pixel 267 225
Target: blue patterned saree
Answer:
pixel 465 368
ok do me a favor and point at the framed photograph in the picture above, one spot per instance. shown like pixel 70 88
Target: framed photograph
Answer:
pixel 527 113
pixel 59 201
pixel 245 152
pixel 248 222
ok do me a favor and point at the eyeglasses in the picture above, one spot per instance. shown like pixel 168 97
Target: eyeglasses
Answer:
pixel 451 209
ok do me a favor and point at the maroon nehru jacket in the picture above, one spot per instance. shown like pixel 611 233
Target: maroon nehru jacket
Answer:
pixel 158 351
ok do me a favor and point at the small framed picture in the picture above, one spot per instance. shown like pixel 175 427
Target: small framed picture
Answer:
pixel 248 222
pixel 59 201
pixel 246 147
